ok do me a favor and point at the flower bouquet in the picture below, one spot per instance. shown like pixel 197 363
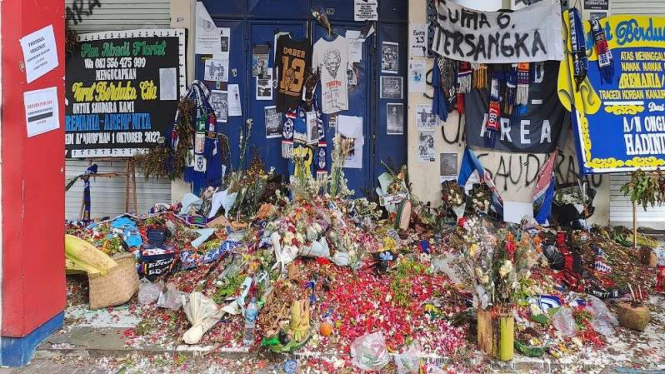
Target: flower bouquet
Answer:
pixel 480 199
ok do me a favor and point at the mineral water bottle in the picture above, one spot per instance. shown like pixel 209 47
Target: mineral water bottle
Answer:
pixel 250 322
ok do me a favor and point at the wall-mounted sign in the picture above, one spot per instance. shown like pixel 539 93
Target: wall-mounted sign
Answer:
pixel 122 90
pixel 596 4
pixel 621 121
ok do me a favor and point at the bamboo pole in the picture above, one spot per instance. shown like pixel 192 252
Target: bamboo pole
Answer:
pixel 634 225
pixel 507 337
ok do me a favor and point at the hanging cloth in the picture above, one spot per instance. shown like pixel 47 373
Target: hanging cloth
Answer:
pixel 479 76
pixel 494 111
pixel 511 89
pixel 580 61
pixel 605 60
pixel 439 106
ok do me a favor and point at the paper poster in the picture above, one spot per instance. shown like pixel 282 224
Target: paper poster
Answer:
pixel 365 10
pixel 425 119
pixel 332 122
pixel 41 111
pixel 395 118
pixel 312 127
pixel 417 72
pixel 355 46
pixel 273 122
pixel 225 43
pixel 426 146
pixel 168 84
pixel 235 109
pixel 260 55
pixel 596 4
pixel 208 41
pixel 39 53
pixel 418 39
pixel 390 58
pixel 264 86
pixel 448 166
pixel 219 100
pixel 216 70
pixel 391 88
pixel 351 127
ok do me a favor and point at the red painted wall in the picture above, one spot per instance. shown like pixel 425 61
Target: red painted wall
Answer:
pixel 33 197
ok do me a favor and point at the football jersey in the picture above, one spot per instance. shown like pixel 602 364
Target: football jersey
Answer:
pixel 291 62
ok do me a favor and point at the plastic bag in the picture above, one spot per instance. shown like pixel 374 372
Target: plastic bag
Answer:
pixel 564 322
pixel 202 313
pixel 446 265
pixel 369 352
pixel 603 321
pixel 149 292
pixel 409 361
pixel 170 298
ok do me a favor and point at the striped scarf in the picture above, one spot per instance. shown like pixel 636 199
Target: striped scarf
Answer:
pixel 605 60
pixel 580 62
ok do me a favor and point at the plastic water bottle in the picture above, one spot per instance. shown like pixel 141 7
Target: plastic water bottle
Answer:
pixel 251 313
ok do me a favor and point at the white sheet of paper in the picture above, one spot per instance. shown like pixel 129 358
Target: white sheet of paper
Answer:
pixel 418 39
pixel 514 212
pixel 40 53
pixel 41 110
pixel 352 127
pixel 235 110
pixel 225 43
pixel 417 72
pixel 365 10
pixel 355 46
pixel 208 41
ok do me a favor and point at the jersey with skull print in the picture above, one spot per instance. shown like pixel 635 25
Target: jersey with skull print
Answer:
pixel 331 58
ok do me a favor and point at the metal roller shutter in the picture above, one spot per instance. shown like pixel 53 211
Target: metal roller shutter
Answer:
pixel 108 195
pixel 650 7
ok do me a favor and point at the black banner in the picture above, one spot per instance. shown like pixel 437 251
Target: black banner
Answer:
pixel 539 130
pixel 122 91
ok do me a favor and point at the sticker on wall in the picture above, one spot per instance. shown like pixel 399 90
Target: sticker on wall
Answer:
pixel 260 55
pixel 418 39
pixel 41 111
pixel 216 70
pixel 425 119
pixel 448 166
pixel 391 88
pixel 264 86
pixel 426 146
pixel 395 118
pixel 273 122
pixel 390 58
pixel 39 53
pixel 417 72
pixel 220 103
pixel 235 110
pixel 365 10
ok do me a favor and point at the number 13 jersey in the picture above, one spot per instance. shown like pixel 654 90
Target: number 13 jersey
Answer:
pixel 291 62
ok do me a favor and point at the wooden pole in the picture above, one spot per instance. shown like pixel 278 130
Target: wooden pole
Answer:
pixel 634 225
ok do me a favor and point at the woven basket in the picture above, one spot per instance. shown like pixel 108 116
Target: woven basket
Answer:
pixel 116 287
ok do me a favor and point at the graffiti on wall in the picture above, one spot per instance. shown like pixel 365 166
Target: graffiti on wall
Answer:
pixel 77 9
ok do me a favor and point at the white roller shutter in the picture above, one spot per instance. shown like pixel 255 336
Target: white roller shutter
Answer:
pixel 621 209
pixel 108 195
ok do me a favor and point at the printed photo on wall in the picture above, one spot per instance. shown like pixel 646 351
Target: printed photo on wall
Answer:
pixel 391 88
pixel 312 128
pixel 390 57
pixel 220 103
pixel 273 122
pixel 425 119
pixel 260 55
pixel 168 84
pixel 216 70
pixel 448 166
pixel 395 119
pixel 264 86
pixel 426 146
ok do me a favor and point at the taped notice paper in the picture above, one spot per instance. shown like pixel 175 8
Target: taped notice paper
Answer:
pixel 355 46
pixel 351 127
pixel 208 37
pixel 418 39
pixel 41 111
pixel 235 109
pixel 39 53
pixel 365 10
pixel 417 72
pixel 225 43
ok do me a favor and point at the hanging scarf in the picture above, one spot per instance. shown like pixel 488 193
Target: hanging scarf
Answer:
pixel 448 78
pixel 479 75
pixel 580 62
pixel 322 149
pixel 511 89
pixel 494 112
pixel 464 74
pixel 439 105
pixel 522 97
pixel 605 61
pixel 287 135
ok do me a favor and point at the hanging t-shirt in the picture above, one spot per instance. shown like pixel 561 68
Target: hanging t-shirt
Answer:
pixel 291 62
pixel 331 58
